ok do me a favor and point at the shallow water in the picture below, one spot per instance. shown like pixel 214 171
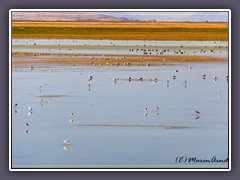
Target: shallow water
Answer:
pixel 109 128
pixel 122 47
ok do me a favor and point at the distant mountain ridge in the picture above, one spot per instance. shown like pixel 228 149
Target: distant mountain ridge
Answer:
pixel 64 16
pixel 121 16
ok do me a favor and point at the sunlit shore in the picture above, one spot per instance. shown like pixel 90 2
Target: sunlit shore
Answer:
pixel 107 60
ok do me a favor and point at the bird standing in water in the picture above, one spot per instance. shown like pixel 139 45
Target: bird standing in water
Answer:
pixel 66 141
pixel 197 113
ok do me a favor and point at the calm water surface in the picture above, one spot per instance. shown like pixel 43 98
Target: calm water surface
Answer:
pixel 121 47
pixel 109 128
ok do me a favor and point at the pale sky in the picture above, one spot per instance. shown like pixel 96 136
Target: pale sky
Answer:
pixel 141 16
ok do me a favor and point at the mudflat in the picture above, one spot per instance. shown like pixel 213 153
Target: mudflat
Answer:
pixel 108 60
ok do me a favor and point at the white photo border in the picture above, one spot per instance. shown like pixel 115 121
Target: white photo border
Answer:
pixel 123 168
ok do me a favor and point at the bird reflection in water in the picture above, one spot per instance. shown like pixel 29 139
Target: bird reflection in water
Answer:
pixel 27 128
pixel 66 148
pixel 89 87
pixel 197 117
pixel 71 119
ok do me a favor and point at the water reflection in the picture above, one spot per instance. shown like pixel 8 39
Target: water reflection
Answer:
pixel 71 119
pixel 157 48
pixel 105 127
pixel 66 148
pixel 197 117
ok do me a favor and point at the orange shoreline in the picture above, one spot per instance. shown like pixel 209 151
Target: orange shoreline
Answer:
pixel 106 60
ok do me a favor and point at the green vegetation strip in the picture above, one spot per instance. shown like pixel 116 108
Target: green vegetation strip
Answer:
pixel 217 34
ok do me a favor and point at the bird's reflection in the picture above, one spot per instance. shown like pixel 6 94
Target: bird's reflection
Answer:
pixel 197 117
pixel 15 111
pixel 30 113
pixel 41 103
pixel 66 148
pixel 145 114
pixel 219 94
pixel 156 113
pixel 71 119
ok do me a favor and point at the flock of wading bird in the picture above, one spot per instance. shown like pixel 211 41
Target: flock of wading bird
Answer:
pixel 144 51
pixel 66 142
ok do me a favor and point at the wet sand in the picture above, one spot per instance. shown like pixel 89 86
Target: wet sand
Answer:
pixel 106 60
pixel 138 125
pixel 52 96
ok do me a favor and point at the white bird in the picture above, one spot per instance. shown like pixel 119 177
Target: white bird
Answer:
pixel 30 108
pixel 214 78
pixel 15 105
pixel 114 80
pixel 157 109
pixel 66 141
pixel 145 109
pixel 190 67
pixel 129 78
pixel 90 78
pixel 71 120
